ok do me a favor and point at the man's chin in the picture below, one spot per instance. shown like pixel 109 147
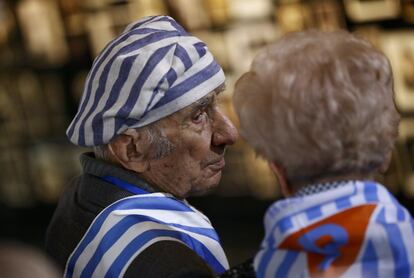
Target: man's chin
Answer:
pixel 200 193
pixel 208 186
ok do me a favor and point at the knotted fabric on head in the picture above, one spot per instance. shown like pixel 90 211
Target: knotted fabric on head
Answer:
pixel 153 69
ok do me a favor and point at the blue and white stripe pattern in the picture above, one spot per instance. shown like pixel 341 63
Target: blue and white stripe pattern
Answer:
pixel 153 69
pixel 127 227
pixel 384 249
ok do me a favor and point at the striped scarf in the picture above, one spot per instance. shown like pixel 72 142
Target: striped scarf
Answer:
pixel 127 227
pixel 356 230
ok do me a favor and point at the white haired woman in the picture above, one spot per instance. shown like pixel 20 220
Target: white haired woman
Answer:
pixel 319 107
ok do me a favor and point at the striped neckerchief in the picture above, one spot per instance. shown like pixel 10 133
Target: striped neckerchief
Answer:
pixel 355 230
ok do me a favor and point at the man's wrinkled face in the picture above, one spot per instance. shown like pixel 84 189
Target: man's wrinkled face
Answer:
pixel 199 134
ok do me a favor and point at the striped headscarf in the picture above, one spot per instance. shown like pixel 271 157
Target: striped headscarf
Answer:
pixel 355 230
pixel 127 227
pixel 151 70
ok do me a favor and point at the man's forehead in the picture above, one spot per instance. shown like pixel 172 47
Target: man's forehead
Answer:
pixel 203 102
pixel 209 98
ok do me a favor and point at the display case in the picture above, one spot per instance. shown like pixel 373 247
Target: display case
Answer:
pixel 47 48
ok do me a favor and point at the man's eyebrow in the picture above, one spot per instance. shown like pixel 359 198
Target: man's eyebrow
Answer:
pixel 209 99
pixel 221 88
pixel 204 102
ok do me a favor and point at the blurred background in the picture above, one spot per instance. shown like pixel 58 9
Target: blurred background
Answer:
pixel 47 48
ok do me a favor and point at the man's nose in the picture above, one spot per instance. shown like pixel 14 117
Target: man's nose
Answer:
pixel 224 132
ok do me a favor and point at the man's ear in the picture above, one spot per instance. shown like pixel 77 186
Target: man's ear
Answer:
pixel 130 149
pixel 281 177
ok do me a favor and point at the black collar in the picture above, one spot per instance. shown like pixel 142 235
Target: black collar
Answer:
pixel 100 168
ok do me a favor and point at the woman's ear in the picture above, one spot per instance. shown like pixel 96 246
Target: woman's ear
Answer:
pixel 130 149
pixel 281 177
pixel 386 163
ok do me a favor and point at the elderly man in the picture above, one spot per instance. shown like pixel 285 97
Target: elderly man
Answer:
pixel 319 107
pixel 149 110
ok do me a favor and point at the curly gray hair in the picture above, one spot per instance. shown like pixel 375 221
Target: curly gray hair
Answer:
pixel 319 104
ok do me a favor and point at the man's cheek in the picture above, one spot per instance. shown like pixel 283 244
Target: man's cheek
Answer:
pixel 199 150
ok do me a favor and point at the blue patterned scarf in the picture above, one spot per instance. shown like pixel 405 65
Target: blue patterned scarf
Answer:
pixel 355 230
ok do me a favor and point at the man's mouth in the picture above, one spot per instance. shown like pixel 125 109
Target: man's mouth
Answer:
pixel 217 165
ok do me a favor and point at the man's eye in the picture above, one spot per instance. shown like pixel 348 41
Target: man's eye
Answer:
pixel 199 117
